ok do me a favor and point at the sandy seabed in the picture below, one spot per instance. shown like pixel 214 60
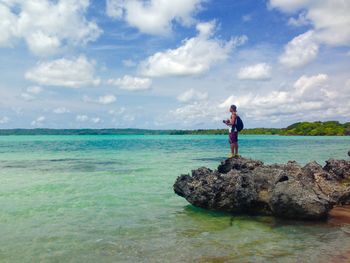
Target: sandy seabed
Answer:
pixel 341 216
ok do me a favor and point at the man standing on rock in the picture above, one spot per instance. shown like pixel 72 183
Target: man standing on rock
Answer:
pixel 233 132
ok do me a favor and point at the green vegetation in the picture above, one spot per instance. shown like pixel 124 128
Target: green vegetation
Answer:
pixel 263 131
pixel 317 128
pixel 300 128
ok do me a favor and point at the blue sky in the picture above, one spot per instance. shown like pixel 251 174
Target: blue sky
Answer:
pixel 162 64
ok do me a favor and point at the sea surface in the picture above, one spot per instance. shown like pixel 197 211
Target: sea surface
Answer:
pixel 110 199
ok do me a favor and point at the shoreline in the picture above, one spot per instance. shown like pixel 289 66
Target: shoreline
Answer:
pixel 165 134
pixel 317 128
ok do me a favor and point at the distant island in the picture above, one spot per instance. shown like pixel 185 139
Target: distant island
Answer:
pixel 328 128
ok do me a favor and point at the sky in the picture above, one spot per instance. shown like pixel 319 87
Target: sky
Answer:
pixel 180 64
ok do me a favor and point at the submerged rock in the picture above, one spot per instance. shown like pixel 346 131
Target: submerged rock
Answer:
pixel 241 185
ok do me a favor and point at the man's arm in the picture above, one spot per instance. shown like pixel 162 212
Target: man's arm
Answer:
pixel 232 119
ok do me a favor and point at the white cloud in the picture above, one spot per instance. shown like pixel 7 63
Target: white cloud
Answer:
pixel 330 18
pixel 73 73
pixel 260 71
pixel 153 16
pixel 17 110
pixel 300 51
pixel 131 83
pixel 117 112
pixel 330 22
pixel 34 89
pixel 30 93
pixel 301 20
pixel 347 84
pixel 196 55
pixel 61 110
pixel 305 91
pixel 128 118
pixel 85 118
pixel 95 120
pixel 247 18
pixel 196 113
pixel 4 120
pixel 129 63
pixel 38 121
pixel 192 95
pixel 106 99
pixel 27 97
pixel 313 86
pixel 6 26
pixel 123 117
pixel 82 118
pixel 236 100
pixel 46 26
pixel 289 6
pixel 42 45
pixel 309 98
pixel 115 8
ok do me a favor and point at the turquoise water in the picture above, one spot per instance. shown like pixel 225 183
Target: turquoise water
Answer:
pixel 110 199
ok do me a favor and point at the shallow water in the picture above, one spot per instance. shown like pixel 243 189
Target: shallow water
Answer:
pixel 110 199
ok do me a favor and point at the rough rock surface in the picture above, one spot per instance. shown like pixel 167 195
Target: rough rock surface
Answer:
pixel 241 185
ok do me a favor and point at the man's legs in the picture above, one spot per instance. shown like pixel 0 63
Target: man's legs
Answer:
pixel 233 139
pixel 232 145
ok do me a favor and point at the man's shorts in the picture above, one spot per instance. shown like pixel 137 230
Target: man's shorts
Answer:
pixel 233 137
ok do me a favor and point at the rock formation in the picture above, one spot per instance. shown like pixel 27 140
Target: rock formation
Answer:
pixel 241 185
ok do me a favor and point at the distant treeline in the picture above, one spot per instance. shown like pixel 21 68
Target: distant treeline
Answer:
pixel 44 131
pixel 328 128
pixel 264 131
pixel 317 128
pixel 300 128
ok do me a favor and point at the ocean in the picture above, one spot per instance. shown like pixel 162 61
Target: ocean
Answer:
pixel 110 199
